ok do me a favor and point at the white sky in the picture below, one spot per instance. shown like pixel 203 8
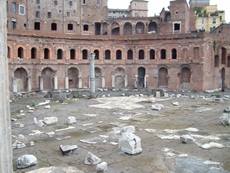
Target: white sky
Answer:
pixel 155 6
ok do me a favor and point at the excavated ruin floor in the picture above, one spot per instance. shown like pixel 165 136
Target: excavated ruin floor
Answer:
pixel 97 118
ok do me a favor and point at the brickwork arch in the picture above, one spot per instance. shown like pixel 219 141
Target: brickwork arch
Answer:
pixel 115 28
pixel 141 73
pixel 48 75
pixel 128 28
pixel 119 78
pixel 163 77
pixel 73 76
pixel 21 79
pixel 140 28
pixel 98 77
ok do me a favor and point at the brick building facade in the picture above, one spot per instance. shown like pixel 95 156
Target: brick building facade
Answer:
pixel 49 43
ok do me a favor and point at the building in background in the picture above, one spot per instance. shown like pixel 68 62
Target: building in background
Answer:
pixel 208 17
pixel 49 43
pixel 199 3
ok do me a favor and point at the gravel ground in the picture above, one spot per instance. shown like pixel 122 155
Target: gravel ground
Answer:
pixel 96 119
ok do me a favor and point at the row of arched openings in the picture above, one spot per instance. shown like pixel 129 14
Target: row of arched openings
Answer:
pixel 107 54
pixel 48 74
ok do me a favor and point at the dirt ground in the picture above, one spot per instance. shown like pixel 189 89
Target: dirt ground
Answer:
pixel 97 120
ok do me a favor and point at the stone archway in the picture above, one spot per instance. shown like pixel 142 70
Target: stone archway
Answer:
pixel 128 29
pixel 141 77
pixel 21 80
pixel 48 75
pixel 119 78
pixel 98 78
pixel 140 28
pixel 163 77
pixel 73 77
pixel 185 78
pixel 223 79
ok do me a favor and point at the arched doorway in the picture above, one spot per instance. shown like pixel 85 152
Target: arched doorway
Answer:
pixel 128 30
pixel 141 77
pixel 98 78
pixel 185 78
pixel 73 75
pixel 152 28
pixel 163 77
pixel 21 80
pixel 48 79
pixel 115 29
pixel 223 79
pixel 119 78
pixel 140 28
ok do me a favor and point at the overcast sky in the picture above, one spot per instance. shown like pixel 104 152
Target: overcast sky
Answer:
pixel 155 6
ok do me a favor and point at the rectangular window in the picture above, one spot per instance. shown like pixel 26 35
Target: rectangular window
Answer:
pixel 37 14
pixel 14 23
pixel 36 25
pixel 55 2
pixel 83 1
pixel 14 7
pixel 49 14
pixel 22 9
pixel 70 26
pixel 37 1
pixel 70 3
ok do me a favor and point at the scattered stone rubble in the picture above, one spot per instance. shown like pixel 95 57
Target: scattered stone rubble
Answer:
pixel 68 149
pixel 26 161
pixel 91 159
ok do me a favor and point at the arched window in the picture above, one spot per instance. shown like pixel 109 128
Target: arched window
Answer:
pixel 72 54
pixel 140 28
pixel 152 27
pixel 53 26
pixel 130 54
pixel 97 56
pixel 115 29
pixel 127 30
pixel 174 54
pixel 8 52
pixel 46 53
pixel 107 54
pixel 163 54
pixel 229 61
pixel 223 55
pixel 118 55
pixel 217 61
pixel 152 54
pixel 20 52
pixel 59 54
pixel 84 54
pixel 33 53
pixel 141 54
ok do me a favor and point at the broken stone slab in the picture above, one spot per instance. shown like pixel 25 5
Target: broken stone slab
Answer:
pixel 47 107
pixel 102 167
pixel 91 159
pixel 225 119
pixel 129 143
pixel 18 145
pixel 175 103
pixel 71 120
pixel 68 149
pixel 227 110
pixel 186 139
pixel 26 161
pixel 50 120
pixel 212 145
pixel 157 107
pixel 43 103
pixel 57 170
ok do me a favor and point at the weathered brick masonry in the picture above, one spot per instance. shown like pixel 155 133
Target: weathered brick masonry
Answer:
pixel 131 52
